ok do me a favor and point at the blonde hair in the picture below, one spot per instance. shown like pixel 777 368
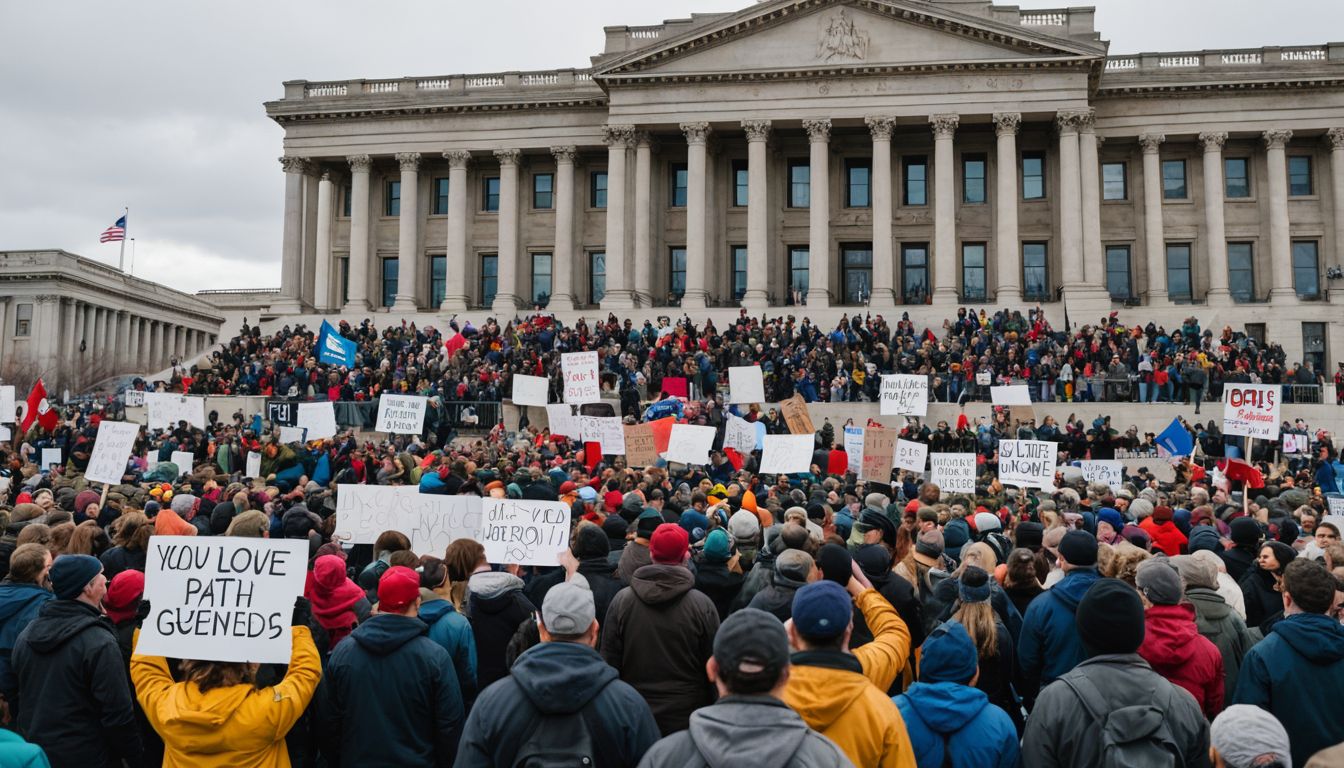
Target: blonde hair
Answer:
pixel 980 623
pixel 1124 564
pixel 978 554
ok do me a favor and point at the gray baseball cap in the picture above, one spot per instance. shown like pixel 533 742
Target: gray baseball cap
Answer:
pixel 568 608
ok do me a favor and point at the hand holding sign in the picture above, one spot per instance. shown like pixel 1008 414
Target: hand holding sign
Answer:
pixel 524 532
pixel 746 384
pixel 111 450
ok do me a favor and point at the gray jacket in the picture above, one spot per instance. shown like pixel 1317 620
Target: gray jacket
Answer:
pixel 745 730
pixel 1225 629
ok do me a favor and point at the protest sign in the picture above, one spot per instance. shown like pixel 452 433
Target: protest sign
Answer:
pixel 563 421
pixel 952 472
pixel 111 449
pixel 910 455
pixel 530 390
pixel 1027 463
pixel 401 414
pixel 984 378
pixel 662 432
pixel 690 444
pixel 253 464
pixel 676 386
pixel 1011 394
pixel 524 532
pixel 854 448
pixel 640 450
pixel 224 598
pixel 739 434
pixel 1336 504
pixel 6 434
pixel 796 416
pixel 787 453
pixel 183 460
pixel 133 398
pixel 605 430
pixel 579 370
pixel 746 384
pixel 364 511
pixel 1108 471
pixel 291 435
pixel 1295 443
pixel 165 410
pixel 51 456
pixel 879 448
pixel 905 395
pixel 431 521
pixel 1252 410
pixel 7 404
pixel 319 419
pixel 282 413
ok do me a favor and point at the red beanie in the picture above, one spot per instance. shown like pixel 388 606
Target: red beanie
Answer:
pixel 1162 514
pixel 123 595
pixel 612 500
pixel 397 589
pixel 668 544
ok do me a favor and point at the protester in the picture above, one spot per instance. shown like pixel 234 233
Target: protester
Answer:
pixel 1172 645
pixel 1214 618
pixel 1244 736
pixel 22 594
pixel 447 627
pixel 1049 644
pixel 496 606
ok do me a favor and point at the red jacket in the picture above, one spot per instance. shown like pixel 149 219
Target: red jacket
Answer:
pixel 1166 536
pixel 1174 648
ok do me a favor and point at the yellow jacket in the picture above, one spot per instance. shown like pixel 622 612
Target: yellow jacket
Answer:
pixel 236 727
pixel 885 657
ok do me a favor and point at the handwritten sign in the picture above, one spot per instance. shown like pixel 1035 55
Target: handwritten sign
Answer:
pixel 604 430
pixel 796 416
pixel 910 455
pixel 431 521
pixel 690 444
pixel 1295 443
pixel 1011 394
pixel 641 450
pixel 253 464
pixel 1336 505
pixel 5 435
pixel 111 450
pixel 524 532
pixel 953 472
pixel 225 598
pixel 51 456
pixel 854 448
pixel 133 398
pixel 1253 410
pixel 984 378
pixel 905 395
pixel 165 410
pixel 563 421
pixel 1110 472
pixel 291 435
pixel 739 434
pixel 282 413
pixel 319 419
pixel 1027 463
pixel 784 454
pixel 183 460
pixel 879 448
pixel 7 404
pixel 746 384
pixel 401 414
pixel 530 390
pixel 579 370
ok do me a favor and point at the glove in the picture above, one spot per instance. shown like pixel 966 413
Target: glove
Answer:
pixel 141 613
pixel 303 612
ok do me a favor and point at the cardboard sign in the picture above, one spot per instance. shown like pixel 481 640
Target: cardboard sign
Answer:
pixel 689 444
pixel 319 419
pixel 1012 394
pixel 530 390
pixel 111 450
pixel 7 404
pixel 1294 443
pixel 523 531
pixel 905 395
pixel 563 421
pixel 796 416
pixel 879 448
pixel 50 456
pixel 253 464
pixel 282 413
pixel 224 598
pixel 854 448
pixel 401 414
pixel 640 447
pixel 1253 410
pixel 579 370
pixel 292 435
pixel 746 384
pixel 1108 471
pixel 183 460
pixel 133 398
pixel 739 434
pixel 165 410
pixel 784 454
pixel 431 521
pixel 910 455
pixel 1027 463
pixel 953 472
pixel 605 430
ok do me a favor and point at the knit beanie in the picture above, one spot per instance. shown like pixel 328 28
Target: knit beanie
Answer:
pixel 743 525
pixel 1110 618
pixel 1203 537
pixel 69 575
pixel 835 564
pixel 716 548
pixel 1078 548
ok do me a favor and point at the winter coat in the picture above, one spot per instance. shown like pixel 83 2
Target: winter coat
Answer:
pixel 1049 644
pixel 943 718
pixel 834 697
pixel 901 595
pixel 1296 673
pixel 391 697
pixel 69 658
pixel 719 584
pixel 1173 647
pixel 19 604
pixel 1166 536
pixel 239 725
pixel 558 679
pixel 452 631
pixel 633 557
pixel 777 598
pixel 17 753
pixel 659 634
pixel 118 559
pixel 1224 628
pixel 746 730
pixel 338 602
pixel 495 606
pixel 1262 600
pixel 1239 560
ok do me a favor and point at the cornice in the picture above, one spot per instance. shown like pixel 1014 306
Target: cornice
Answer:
pixel 1124 90
pixel 355 112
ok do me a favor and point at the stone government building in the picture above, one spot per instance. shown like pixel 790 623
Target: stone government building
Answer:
pixel 852 155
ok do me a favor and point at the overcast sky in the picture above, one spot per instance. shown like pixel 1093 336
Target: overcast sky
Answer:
pixel 156 105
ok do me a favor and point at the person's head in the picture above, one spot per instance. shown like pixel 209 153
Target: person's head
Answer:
pixel 208 675
pixel 1274 557
pixel 463 558
pixel 822 617
pixel 1077 549
pixel 1021 568
pixel 132 531
pixel 30 564
pixel 1246 736
pixel 751 655
pixel 669 544
pixel 1158 582
pixel 974 611
pixel 1110 618
pixel 79 578
pixel 1307 588
pixel 399 591
pixel 568 614
pixel 948 655
pixel 390 541
pixel 1327 533
pixel 88 539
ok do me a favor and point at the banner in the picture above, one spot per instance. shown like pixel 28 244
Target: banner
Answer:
pixel 111 450
pixel 165 410
pixel 335 349
pixel 530 390
pixel 854 448
pixel 1108 471
pixel 184 461
pixel 132 398
pixel 879 448
pixel 739 434
pixel 563 421
pixel 784 454
pixel 689 444
pixel 50 456
pixel 223 598
pixel 1253 410
pixel 319 419
pixel 579 370
pixel 796 416
pixel 910 455
pixel 431 521
pixel 401 414
pixel 1027 463
pixel 524 532
pixel 253 465
pixel 282 413
pixel 746 384
pixel 905 395
pixel 1175 440
pixel 7 404
pixel 952 472
pixel 640 448
pixel 605 430
pixel 984 378
pixel 1011 394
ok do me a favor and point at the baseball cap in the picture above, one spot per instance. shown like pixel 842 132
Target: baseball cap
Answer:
pixel 751 644
pixel 822 610
pixel 568 608
pixel 397 589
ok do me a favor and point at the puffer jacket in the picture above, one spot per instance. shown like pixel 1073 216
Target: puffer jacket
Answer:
pixel 746 730
pixel 452 631
pixel 19 604
pixel 833 696
pixel 1173 647
pixel 1217 621
pixel 1166 536
pixel 496 606
pixel 955 725
pixel 1049 644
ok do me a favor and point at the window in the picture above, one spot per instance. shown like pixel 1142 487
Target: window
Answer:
pixel 858 182
pixel 1033 175
pixel 390 271
pixel 1035 273
pixel 597 277
pixel 857 271
pixel 1173 180
pixel 798 273
pixel 914 273
pixel 1179 284
pixel 489 278
pixel 1114 181
pixel 676 272
pixel 740 177
pixel 1313 345
pixel 916 174
pixel 490 194
pixel 23 320
pixel 1241 272
pixel 345 280
pixel 345 201
pixel 543 191
pixel 1256 332
pixel 800 184
pixel 1299 176
pixel 973 179
pixel 973 272
pixel 1306 270
pixel 439 201
pixel 392 207
pixel 438 280
pixel 1117 273
pixel 541 279
pixel 679 176
pixel 597 189
pixel 739 272
pixel 1236 177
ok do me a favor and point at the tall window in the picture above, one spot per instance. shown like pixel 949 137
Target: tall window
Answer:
pixel 858 182
pixel 490 194
pixel 973 179
pixel 392 204
pixel 914 273
pixel 438 280
pixel 345 201
pixel 1173 180
pixel 857 271
pixel 1179 285
pixel 1313 345
pixel 677 272
pixel 916 175
pixel 798 273
pixel 543 191
pixel 1241 271
pixel 345 280
pixel 1306 270
pixel 541 279
pixel 739 272
pixel 740 177
pixel 1114 181
pixel 597 189
pixel 1299 176
pixel 389 281
pixel 679 177
pixel 1035 272
pixel 597 277
pixel 1033 175
pixel 1117 273
pixel 439 201
pixel 1236 177
pixel 489 278
pixel 23 320
pixel 973 272
pixel 800 184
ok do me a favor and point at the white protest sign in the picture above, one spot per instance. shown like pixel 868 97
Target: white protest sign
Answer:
pixel 7 404
pixel 739 434
pixel 905 395
pixel 1108 471
pixel 253 464
pixel 524 532
pixel 530 390
pixel 1253 410
pixel 984 378
pixel 111 449
pixel 746 384
pixel 134 398
pixel 1335 505
pixel 910 455
pixel 5 434
pixel 787 453
pixel 401 414
pixel 854 448
pixel 225 598
pixel 364 511
pixel 1011 394
pixel 563 421
pixel 579 370
pixel 604 430
pixel 431 521
pixel 51 456
pixel 1295 443
pixel 318 418
pixel 183 460
pixel 291 435
pixel 167 409
pixel 953 472
pixel 1027 463
pixel 690 444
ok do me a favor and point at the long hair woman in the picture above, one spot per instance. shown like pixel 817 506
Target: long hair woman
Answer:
pixel 993 642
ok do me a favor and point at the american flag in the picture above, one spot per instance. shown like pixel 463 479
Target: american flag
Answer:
pixel 115 232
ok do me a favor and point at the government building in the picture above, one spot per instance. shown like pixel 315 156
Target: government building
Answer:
pixel 823 157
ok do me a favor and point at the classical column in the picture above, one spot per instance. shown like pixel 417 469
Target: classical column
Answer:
pixel 697 268
pixel 291 251
pixel 944 258
pixel 1155 243
pixel 189 343
pixel 1280 246
pixel 133 343
pixel 1215 234
pixel 619 139
pixel 643 219
pixel 98 344
pixel 90 314
pixel 117 347
pixel 883 292
pixel 758 215
pixel 357 289
pixel 1336 136
pixel 506 298
pixel 819 214
pixel 69 344
pixel 326 199
pixel 1009 276
pixel 408 234
pixel 152 346
pixel 562 270
pixel 1094 263
pixel 47 333
pixel 1070 202
pixel 177 342
pixel 455 297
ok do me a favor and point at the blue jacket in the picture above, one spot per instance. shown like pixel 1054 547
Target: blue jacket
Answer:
pixel 19 604
pixel 17 753
pixel 960 719
pixel 452 631
pixel 1049 645
pixel 1296 673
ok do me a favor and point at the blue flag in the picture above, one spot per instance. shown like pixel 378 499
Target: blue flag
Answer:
pixel 333 348
pixel 1175 440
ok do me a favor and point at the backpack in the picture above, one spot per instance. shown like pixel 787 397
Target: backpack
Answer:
pixel 561 741
pixel 1136 736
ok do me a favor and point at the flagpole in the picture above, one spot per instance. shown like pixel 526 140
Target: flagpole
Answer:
pixel 126 215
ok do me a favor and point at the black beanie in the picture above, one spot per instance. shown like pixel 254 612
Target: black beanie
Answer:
pixel 1110 618
pixel 835 563
pixel 590 541
pixel 1079 548
pixel 1029 535
pixel 1246 532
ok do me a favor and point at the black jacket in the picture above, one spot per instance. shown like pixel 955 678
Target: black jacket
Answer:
pixel 777 597
pixel 601 578
pixel 720 584
pixel 901 594
pixel 74 696
pixel 496 606
pixel 118 559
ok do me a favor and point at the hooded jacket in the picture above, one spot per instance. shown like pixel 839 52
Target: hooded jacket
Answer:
pixel 1262 599
pixel 829 690
pixel 1166 536
pixel 239 726
pixel 659 634
pixel 452 632
pixel 1216 621
pixel 777 598
pixel 720 584
pixel 951 724
pixel 602 581
pixel 19 604
pixel 392 697
pixel 557 679
pixel 1173 647
pixel 17 753
pixel 1296 673
pixel 746 730
pixel 1049 644
pixel 496 607
pixel 338 603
